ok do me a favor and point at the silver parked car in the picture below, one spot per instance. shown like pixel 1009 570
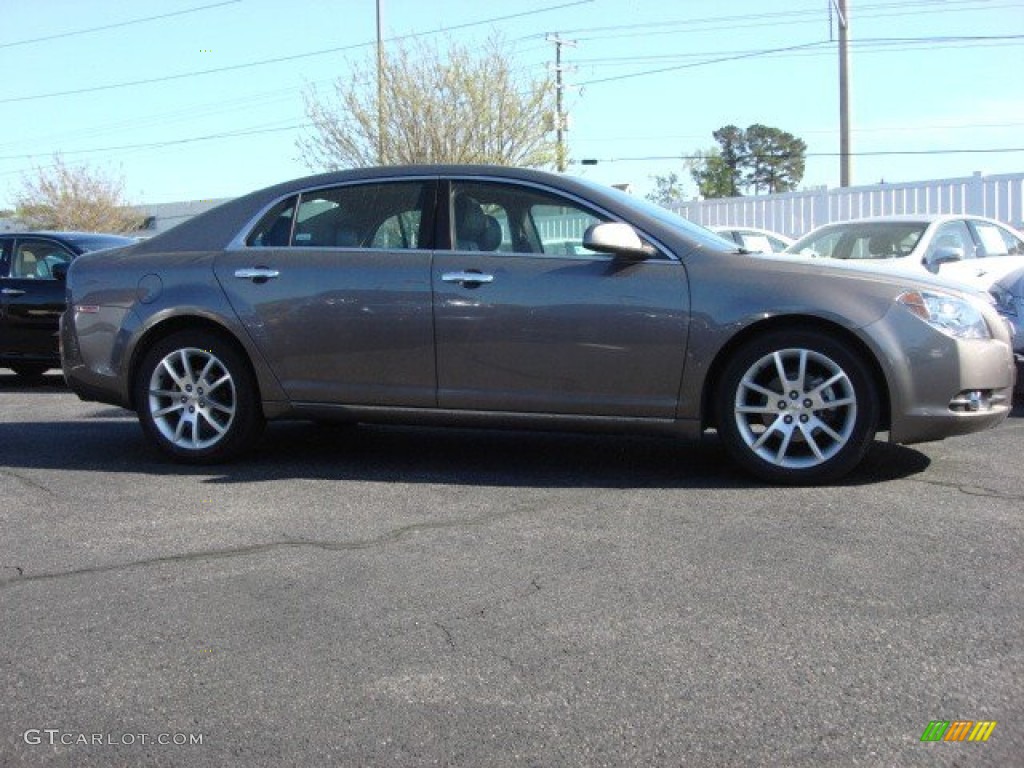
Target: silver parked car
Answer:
pixel 759 240
pixel 433 295
pixel 969 249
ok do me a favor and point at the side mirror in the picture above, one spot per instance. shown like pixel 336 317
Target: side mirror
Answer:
pixel 59 272
pixel 945 254
pixel 618 239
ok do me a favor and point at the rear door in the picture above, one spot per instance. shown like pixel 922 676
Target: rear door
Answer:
pixel 31 300
pixel 334 288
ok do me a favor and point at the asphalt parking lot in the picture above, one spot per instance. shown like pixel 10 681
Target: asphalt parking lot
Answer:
pixel 405 597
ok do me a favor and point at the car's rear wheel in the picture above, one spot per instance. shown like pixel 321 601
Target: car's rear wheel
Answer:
pixel 197 399
pixel 797 407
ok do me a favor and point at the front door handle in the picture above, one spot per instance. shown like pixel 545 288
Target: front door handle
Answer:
pixel 12 292
pixel 258 274
pixel 467 278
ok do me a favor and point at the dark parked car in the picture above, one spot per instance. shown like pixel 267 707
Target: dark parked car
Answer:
pixel 434 295
pixel 32 293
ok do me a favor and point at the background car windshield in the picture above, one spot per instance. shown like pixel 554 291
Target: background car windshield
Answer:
pixel 864 240
pixel 87 243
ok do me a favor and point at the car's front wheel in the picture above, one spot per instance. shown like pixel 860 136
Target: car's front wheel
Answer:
pixel 797 407
pixel 197 399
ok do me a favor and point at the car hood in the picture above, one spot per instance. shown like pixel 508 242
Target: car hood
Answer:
pixel 897 274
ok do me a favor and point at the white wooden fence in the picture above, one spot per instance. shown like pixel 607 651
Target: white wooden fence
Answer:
pixel 794 213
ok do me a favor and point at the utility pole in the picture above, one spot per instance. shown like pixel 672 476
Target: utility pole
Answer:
pixel 380 89
pixel 844 93
pixel 561 119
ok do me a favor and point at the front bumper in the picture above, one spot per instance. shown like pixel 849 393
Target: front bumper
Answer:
pixel 940 386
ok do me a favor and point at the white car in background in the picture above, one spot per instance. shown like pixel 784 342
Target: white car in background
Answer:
pixel 968 249
pixel 756 240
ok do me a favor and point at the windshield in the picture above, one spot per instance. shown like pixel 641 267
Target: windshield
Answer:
pixel 861 240
pixel 86 243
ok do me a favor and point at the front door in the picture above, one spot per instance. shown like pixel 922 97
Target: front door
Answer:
pixel 31 299
pixel 529 321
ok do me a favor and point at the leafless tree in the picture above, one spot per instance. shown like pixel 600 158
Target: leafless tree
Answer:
pixel 460 106
pixel 64 197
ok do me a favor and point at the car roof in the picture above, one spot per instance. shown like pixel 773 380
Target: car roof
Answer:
pixel 913 218
pixel 216 228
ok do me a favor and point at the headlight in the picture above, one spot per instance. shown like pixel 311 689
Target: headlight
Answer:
pixel 949 314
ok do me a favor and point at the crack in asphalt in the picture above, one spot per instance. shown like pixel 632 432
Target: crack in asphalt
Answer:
pixel 974 490
pixel 395 534
pixel 27 481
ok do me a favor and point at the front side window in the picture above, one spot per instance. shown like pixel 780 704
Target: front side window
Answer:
pixel 996 240
pixel 511 218
pixel 952 238
pixel 35 259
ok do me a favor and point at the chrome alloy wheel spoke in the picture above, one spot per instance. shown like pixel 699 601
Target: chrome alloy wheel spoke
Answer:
pixel 795 408
pixel 180 401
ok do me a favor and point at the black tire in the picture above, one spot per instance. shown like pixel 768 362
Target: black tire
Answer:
pixel 31 371
pixel 197 399
pixel 817 427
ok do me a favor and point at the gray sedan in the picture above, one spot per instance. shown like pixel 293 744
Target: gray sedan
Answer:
pixel 434 295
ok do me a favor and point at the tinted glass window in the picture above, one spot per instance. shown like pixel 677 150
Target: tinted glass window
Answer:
pixel 997 241
pixel 951 236
pixel 35 259
pixel 862 240
pixel 518 219
pixel 274 229
pixel 381 215
pixel 86 243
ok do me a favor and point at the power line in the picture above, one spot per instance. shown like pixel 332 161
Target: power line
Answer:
pixel 753 54
pixel 786 18
pixel 174 142
pixel 115 26
pixel 869 153
pixel 864 45
pixel 279 59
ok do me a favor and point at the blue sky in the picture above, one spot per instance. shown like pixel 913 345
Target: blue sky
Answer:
pixel 936 88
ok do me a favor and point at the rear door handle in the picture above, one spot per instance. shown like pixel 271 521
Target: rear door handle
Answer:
pixel 256 273
pixel 12 292
pixel 467 277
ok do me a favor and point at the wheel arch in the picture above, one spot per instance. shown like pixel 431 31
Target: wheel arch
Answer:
pixel 172 325
pixel 795 323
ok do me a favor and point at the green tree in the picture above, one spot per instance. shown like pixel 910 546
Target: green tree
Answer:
pixel 667 190
pixel 733 155
pixel 461 106
pixel 712 174
pixel 760 158
pixel 775 159
pixel 65 197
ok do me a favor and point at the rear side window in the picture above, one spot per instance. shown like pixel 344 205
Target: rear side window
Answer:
pixel 382 215
pixel 274 229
